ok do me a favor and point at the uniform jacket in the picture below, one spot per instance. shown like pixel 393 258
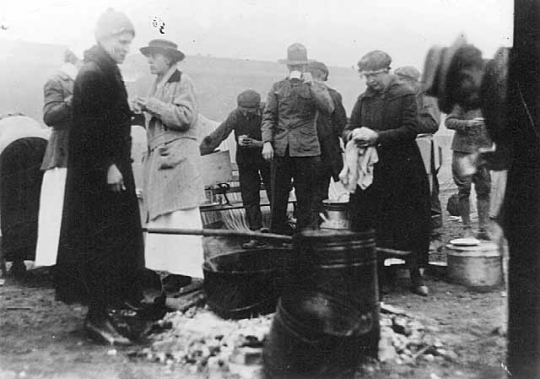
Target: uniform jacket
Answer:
pixel 467 140
pixel 289 118
pixel 399 195
pixel 241 125
pixel 57 114
pixel 329 130
pixel 173 179
pixel 102 246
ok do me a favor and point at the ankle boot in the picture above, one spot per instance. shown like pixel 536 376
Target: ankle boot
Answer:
pixel 100 329
pixel 417 281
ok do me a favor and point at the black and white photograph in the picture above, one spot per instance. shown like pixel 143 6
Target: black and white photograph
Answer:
pixel 255 189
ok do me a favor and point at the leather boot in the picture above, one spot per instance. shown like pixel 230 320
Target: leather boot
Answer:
pixel 418 285
pixel 483 219
pixel 100 329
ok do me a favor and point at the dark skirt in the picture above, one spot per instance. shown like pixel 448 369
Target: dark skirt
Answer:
pixel 397 204
pixel 102 254
pixel 20 187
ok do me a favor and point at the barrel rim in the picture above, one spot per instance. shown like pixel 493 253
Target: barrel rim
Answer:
pixel 330 235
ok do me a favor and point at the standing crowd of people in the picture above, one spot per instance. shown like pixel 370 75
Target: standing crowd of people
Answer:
pixel 89 221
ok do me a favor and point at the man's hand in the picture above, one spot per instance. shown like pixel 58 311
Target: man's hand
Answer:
pixel 115 180
pixel 140 103
pixel 250 142
pixel 268 151
pixel 68 100
pixel 308 78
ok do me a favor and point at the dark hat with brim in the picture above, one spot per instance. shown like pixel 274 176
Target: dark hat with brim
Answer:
pixel 296 54
pixel 162 46
pixel 436 69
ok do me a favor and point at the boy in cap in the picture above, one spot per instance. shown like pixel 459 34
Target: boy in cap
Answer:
pixel 329 130
pixel 289 133
pixel 396 204
pixel 429 119
pixel 245 121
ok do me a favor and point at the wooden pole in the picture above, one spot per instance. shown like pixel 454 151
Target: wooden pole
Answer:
pixel 254 235
pixel 522 202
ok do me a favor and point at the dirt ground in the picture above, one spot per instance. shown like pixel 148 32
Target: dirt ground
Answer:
pixel 41 338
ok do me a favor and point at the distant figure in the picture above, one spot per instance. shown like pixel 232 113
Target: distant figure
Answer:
pixel 102 257
pixel 470 135
pixel 58 93
pixel 289 134
pixel 173 186
pixel 252 168
pixel 22 146
pixel 329 130
pixel 429 119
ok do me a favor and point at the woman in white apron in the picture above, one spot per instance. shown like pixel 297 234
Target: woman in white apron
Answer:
pixel 173 186
pixel 58 92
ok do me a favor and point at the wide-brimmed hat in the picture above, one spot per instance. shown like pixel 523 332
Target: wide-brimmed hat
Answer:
pixel 374 62
pixel 296 54
pixel 162 46
pixel 436 68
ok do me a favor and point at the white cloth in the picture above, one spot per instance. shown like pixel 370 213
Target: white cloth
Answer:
pixel 13 128
pixel 50 216
pixel 176 254
pixel 358 166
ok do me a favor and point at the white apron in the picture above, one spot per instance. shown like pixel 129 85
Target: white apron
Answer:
pixel 176 254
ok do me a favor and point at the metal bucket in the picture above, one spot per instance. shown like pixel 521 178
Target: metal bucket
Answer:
pixel 478 267
pixel 316 336
pixel 341 263
pixel 335 216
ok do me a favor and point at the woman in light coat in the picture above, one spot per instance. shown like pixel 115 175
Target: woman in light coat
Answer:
pixel 173 186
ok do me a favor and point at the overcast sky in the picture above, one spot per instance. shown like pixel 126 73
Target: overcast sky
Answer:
pixel 337 32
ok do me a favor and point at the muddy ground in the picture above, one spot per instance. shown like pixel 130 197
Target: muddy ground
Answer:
pixel 41 338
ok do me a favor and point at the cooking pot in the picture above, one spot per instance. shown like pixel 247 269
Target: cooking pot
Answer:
pixel 335 215
pixel 245 283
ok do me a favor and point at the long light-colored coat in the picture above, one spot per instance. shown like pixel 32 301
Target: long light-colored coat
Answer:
pixel 172 171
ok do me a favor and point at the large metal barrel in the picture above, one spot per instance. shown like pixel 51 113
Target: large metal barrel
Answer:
pixel 322 329
pixel 341 263
pixel 315 336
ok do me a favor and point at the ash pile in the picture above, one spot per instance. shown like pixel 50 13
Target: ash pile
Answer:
pixel 204 344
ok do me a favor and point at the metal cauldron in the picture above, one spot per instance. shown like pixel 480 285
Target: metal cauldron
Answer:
pixel 245 283
pixel 335 215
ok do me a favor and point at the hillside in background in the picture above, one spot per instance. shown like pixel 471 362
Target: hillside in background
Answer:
pixel 25 67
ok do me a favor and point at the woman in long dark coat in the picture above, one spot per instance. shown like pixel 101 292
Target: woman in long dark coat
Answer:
pixel 102 252
pixel 396 204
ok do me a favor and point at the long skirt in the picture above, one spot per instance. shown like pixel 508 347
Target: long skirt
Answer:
pixel 50 216
pixel 176 254
pixel 20 185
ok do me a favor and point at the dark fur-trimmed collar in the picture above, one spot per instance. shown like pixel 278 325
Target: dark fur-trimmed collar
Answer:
pixel 98 55
pixel 175 77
